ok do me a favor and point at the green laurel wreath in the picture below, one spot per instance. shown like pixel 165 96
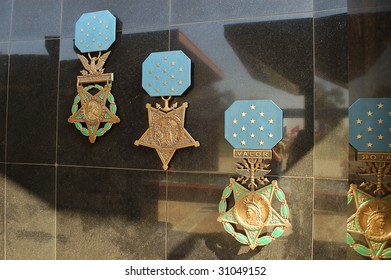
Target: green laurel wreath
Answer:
pixel 107 126
pixel 264 240
pixel 359 248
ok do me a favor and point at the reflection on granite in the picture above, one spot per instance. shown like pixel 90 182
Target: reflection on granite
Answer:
pixel 246 60
pixel 194 233
pixel 4 49
pixel 264 49
pixel 30 220
pixel 320 5
pixel 35 20
pixel 186 11
pixel 365 6
pixel 330 219
pixel 331 97
pixel 32 102
pixel 131 15
pixel 369 55
pixel 110 214
pixel 5 19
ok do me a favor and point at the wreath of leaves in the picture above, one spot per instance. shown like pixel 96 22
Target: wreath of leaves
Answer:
pixel 361 249
pixel 107 126
pixel 261 241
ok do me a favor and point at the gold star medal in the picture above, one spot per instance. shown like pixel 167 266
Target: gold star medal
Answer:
pixel 94 33
pixel 253 128
pixel 166 74
pixel 369 228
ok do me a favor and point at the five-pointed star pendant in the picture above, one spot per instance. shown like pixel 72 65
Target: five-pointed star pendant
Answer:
pixel 369 208
pixel 247 203
pixel 166 132
pixel 93 111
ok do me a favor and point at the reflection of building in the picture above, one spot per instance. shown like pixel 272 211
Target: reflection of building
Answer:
pixel 64 198
pixel 204 70
pixel 267 59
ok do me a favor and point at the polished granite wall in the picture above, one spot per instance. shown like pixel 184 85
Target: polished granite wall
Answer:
pixel 64 198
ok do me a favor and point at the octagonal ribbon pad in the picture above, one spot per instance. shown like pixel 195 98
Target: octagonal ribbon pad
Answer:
pixel 166 73
pixel 95 31
pixel 253 124
pixel 370 125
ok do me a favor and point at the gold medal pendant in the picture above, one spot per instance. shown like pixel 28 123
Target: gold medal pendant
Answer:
pixel 253 128
pixel 94 104
pixel 369 228
pixel 166 74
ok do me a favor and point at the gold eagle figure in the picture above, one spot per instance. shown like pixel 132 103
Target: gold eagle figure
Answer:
pixel 93 67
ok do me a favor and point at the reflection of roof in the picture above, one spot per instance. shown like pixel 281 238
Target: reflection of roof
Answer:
pixel 182 42
pixel 193 48
pixel 282 54
pixel 369 37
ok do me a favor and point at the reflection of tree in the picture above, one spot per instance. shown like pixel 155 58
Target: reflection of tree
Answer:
pixel 328 102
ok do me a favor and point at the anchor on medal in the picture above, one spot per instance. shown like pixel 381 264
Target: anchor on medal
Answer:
pixel 166 74
pixel 94 109
pixel 369 228
pixel 253 128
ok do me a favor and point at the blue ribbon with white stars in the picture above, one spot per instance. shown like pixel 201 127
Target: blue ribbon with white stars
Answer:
pixel 166 73
pixel 95 31
pixel 253 124
pixel 370 125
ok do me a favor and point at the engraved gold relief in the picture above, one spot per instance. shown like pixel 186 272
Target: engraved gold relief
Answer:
pixel 369 228
pixel 253 128
pixel 95 65
pixel 252 211
pixel 374 220
pixel 166 132
pixel 93 110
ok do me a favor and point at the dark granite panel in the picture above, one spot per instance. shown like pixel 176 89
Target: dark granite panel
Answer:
pixel 185 11
pixel 331 97
pixel 240 61
pixel 110 214
pixel 32 103
pixel 360 180
pixel 116 147
pixel 369 5
pixel 194 233
pixel 4 58
pixel 320 5
pixel 30 220
pixel 330 214
pixel 369 45
pixel 130 15
pixel 5 19
pixel 2 201
pixel 36 20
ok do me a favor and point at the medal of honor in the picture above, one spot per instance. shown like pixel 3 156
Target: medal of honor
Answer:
pixel 94 109
pixel 253 128
pixel 369 228
pixel 166 74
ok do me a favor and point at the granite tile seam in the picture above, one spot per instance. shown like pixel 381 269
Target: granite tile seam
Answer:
pixel 56 141
pixel 6 142
pixel 168 171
